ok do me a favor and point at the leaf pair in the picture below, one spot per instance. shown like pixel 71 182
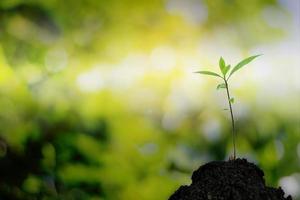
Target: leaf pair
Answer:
pixel 226 68
pixel 221 86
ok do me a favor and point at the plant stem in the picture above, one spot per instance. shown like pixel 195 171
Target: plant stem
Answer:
pixel 232 119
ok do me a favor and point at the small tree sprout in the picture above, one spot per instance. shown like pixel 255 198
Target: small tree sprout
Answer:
pixel 226 73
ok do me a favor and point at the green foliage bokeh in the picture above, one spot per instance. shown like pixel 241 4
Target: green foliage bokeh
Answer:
pixel 98 99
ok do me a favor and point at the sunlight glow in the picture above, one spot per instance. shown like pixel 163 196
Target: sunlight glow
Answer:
pixel 291 184
pixel 192 11
pixel 163 58
pixel 90 81
pixel 56 59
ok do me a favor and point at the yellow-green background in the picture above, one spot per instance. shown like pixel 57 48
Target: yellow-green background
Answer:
pixel 98 99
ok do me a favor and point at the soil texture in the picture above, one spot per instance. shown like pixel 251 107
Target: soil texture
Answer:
pixel 229 180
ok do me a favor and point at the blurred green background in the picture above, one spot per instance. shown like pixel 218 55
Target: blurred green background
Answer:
pixel 98 99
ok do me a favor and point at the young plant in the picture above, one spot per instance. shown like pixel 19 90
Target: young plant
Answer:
pixel 225 75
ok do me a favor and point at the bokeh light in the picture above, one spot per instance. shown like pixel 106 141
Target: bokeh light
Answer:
pixel 99 99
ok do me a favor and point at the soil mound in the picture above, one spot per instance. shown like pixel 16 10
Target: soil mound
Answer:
pixel 230 180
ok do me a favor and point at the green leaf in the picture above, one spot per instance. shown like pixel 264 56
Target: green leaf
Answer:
pixel 221 86
pixel 209 73
pixel 222 66
pixel 226 69
pixel 242 64
pixel 231 100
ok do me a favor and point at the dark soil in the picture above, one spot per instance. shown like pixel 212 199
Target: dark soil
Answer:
pixel 231 180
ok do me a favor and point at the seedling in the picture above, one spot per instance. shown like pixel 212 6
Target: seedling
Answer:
pixel 225 75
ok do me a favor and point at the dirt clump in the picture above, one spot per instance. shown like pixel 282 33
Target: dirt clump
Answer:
pixel 229 180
